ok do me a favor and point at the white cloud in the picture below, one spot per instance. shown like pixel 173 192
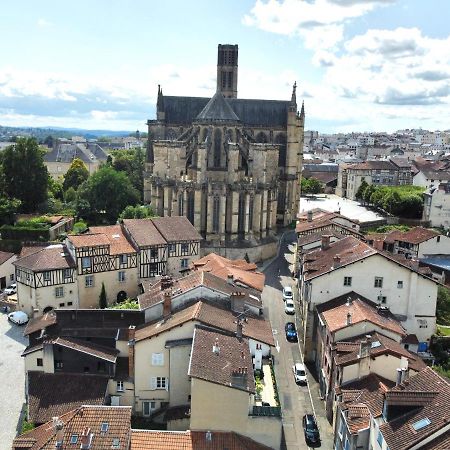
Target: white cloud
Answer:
pixel 43 23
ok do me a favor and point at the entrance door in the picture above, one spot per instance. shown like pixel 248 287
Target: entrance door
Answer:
pixel 2 282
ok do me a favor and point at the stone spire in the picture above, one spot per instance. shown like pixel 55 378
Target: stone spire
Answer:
pixel 294 93
pixel 217 110
pixel 302 112
pixel 160 100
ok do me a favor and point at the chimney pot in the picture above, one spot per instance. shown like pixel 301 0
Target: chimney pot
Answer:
pixel 167 304
pixel 309 215
pixel 399 377
pixel 349 318
pixel 326 239
pixel 336 261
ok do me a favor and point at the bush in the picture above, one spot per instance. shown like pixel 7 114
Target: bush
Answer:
pixel 127 304
pixel 79 227
pixel 24 233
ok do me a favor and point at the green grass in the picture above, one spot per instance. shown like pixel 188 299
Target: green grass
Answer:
pixel 443 331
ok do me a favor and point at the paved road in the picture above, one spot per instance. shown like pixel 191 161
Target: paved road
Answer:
pixel 295 400
pixel 12 376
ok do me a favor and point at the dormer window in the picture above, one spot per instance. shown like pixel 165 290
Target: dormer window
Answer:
pixel 116 443
pixel 74 438
pixel 104 427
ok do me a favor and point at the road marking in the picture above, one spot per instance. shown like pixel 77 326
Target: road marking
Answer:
pixel 274 332
pixel 277 346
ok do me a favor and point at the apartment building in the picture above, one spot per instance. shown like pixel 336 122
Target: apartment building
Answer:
pixel 436 206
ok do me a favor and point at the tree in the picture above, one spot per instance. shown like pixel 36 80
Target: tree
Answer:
pixel 107 192
pixel 360 192
pixel 311 186
pixel 26 176
pixel 55 188
pixel 137 212
pixel 48 141
pixel 76 175
pixel 8 208
pixel 132 163
pixel 367 194
pixel 103 302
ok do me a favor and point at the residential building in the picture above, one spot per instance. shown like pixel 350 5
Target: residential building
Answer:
pixel 429 178
pixel 436 206
pixel 7 271
pixel 352 265
pixel 231 166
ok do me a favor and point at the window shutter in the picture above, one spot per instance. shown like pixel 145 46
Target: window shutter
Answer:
pixel 167 384
pixel 153 383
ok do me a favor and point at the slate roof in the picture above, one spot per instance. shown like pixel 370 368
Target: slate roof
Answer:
pixel 436 174
pixel 66 153
pixel 191 440
pixel 255 328
pixel 217 109
pixel 98 351
pixel 117 240
pixel 54 394
pixel 183 110
pixel 144 232
pixel 399 433
pixel 4 256
pixel 176 229
pixel 51 257
pixel 76 422
pixel 220 367
pixel 242 272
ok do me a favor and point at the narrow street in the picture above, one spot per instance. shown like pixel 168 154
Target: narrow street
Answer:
pixel 295 400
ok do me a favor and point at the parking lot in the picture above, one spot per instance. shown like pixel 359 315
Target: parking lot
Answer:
pixel 12 377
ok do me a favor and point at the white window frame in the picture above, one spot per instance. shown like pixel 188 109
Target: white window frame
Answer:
pixel 184 249
pixel 11 277
pixel 59 292
pixel 151 406
pixel 157 359
pixel 91 281
pixel 119 386
pixel 121 276
pixel 159 383
pixel 86 262
pixel 67 273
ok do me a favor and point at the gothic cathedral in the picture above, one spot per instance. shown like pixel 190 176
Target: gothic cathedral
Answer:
pixel 232 166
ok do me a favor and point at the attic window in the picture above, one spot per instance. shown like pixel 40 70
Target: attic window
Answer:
pixel 104 427
pixel 421 424
pixel 116 443
pixel 375 344
pixel 116 236
pixel 74 438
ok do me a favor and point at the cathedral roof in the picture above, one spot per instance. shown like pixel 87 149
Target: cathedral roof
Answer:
pixel 217 109
pixel 267 113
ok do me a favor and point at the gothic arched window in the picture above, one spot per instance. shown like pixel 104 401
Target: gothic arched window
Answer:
pixel 216 214
pixel 261 138
pixel 180 203
pixel 217 147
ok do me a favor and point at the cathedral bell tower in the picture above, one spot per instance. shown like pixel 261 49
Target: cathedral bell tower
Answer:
pixel 227 70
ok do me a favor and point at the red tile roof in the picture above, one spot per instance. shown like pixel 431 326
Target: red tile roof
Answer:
pixel 417 235
pixel 99 351
pixel 176 229
pixel 40 322
pixel 78 421
pixel 144 232
pixel 191 440
pixel 231 365
pixel 204 313
pixel 440 443
pixel 4 256
pixel 52 257
pixel 117 240
pixel 88 240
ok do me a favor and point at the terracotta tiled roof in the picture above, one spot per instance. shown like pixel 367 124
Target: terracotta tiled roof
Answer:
pixel 78 421
pixel 255 328
pixel 154 294
pixel 99 351
pixel 233 357
pixel 399 433
pixel 39 323
pixel 53 394
pixel 440 443
pixel 88 240
pixel 52 257
pixel 322 214
pixel 315 237
pixel 358 417
pixel 417 235
pixel 117 240
pixel 32 348
pixel 242 272
pixel 191 440
pixel 176 229
pixel 4 256
pixel 373 165
pixel 361 311
pixel 144 232
pixel 29 249
pixel 348 250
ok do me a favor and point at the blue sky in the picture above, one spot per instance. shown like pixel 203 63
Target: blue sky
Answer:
pixel 361 65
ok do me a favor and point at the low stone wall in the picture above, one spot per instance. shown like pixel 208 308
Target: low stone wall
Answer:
pixel 256 253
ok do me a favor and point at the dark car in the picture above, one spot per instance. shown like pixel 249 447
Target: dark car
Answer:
pixel 310 429
pixel 291 332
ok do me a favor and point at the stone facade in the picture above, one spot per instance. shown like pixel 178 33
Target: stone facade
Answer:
pixel 231 166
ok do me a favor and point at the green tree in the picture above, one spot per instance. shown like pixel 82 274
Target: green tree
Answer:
pixel 48 141
pixel 76 175
pixel 8 209
pixel 107 193
pixel 25 174
pixel 132 163
pixel 55 188
pixel 443 306
pixel 367 194
pixel 361 189
pixel 137 212
pixel 70 195
pixel 311 186
pixel 103 302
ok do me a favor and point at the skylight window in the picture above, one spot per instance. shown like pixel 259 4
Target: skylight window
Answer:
pixel 421 424
pixel 375 344
pixel 104 427
pixel 116 443
pixel 74 438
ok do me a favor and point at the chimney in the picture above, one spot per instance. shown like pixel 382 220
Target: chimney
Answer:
pixel 166 282
pixel 239 377
pixel 404 374
pixel 349 301
pixel 336 261
pixel 59 431
pixel 239 329
pixel 364 348
pixel 237 302
pixel 349 318
pixel 399 377
pixel 86 439
pixel 230 278
pixel 216 348
pixel 131 342
pixel 167 304
pixel 326 241
pixel 208 436
pixel 309 215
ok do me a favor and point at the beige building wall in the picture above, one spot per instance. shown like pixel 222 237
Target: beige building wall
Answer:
pixel 7 270
pixel 126 398
pixel 31 361
pixel 360 328
pixel 180 383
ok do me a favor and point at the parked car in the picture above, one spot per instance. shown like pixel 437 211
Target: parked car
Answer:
pixel 310 429
pixel 299 373
pixel 289 307
pixel 18 317
pixel 291 332
pixel 11 289
pixel 287 293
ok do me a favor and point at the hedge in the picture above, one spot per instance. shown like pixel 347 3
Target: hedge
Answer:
pixel 24 233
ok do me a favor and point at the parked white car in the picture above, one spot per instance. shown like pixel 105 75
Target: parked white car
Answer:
pixel 18 317
pixel 287 293
pixel 289 307
pixel 299 373
pixel 11 289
